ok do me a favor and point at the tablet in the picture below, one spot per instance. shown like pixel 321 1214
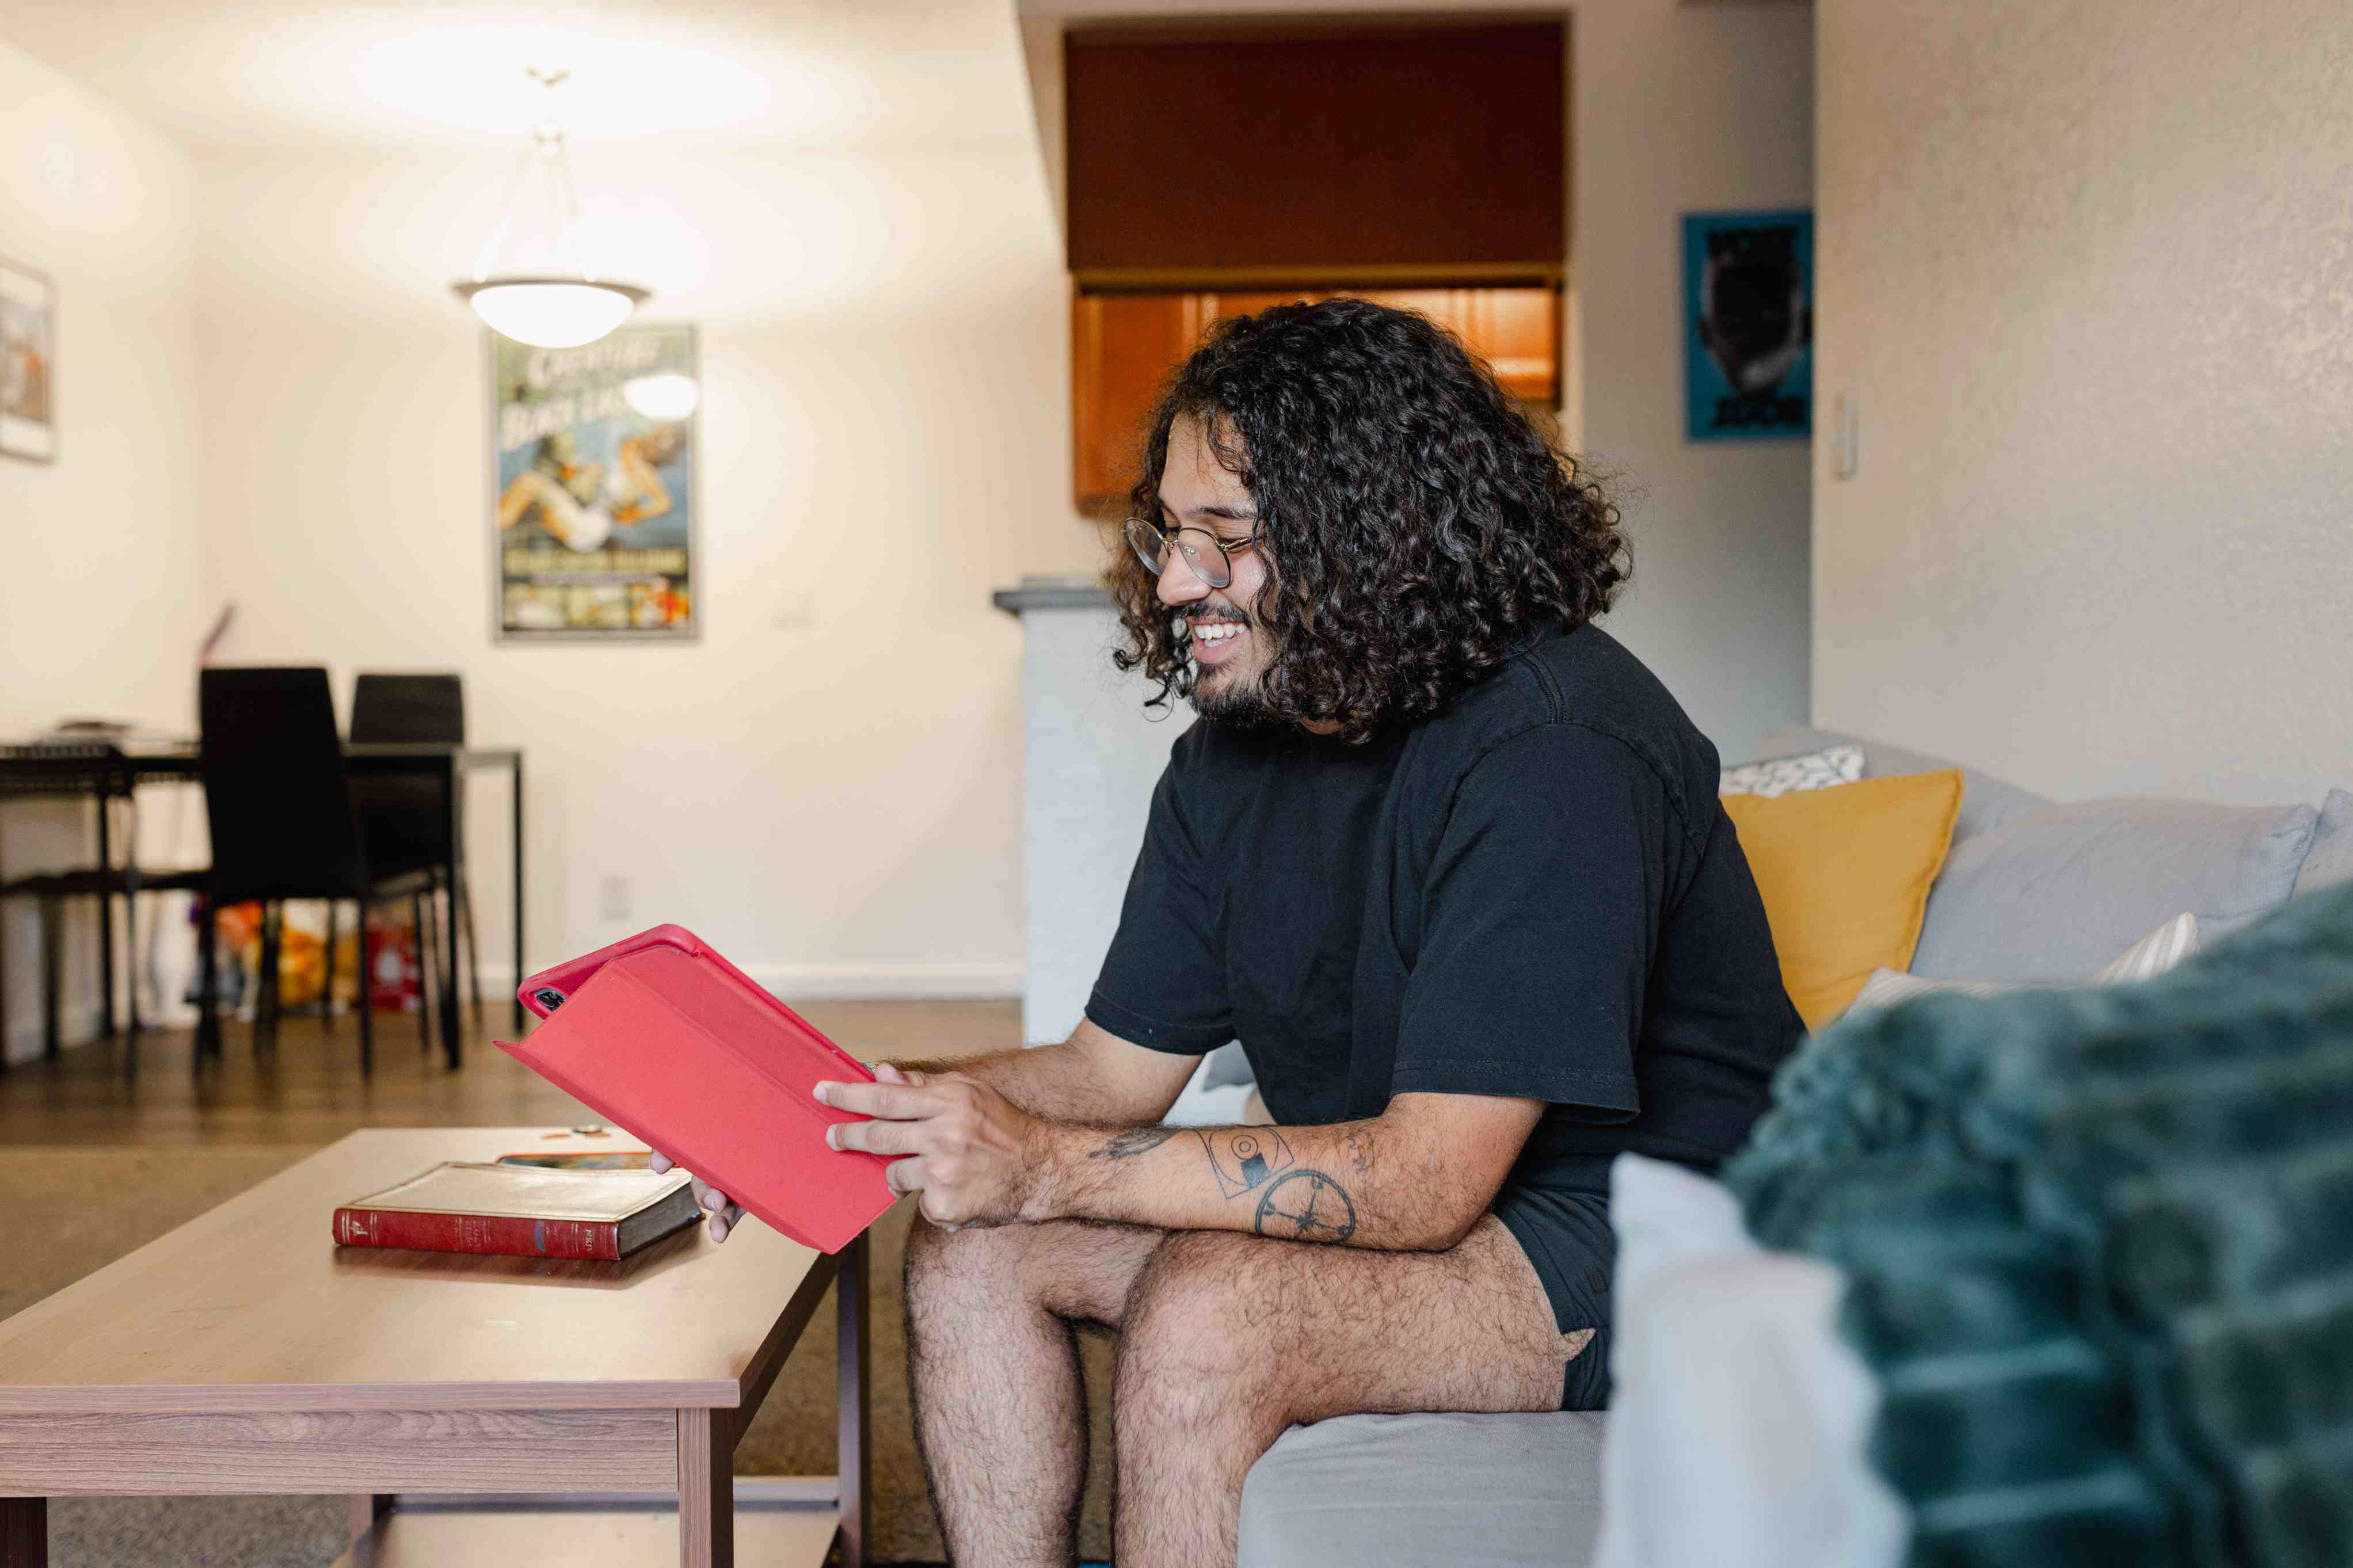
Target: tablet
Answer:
pixel 676 1045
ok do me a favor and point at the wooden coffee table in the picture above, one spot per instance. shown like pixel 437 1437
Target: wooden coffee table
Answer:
pixel 474 1409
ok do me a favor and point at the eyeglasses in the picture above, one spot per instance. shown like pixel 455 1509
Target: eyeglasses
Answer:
pixel 1210 558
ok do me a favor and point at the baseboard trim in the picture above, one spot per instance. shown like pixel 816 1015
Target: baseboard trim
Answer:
pixel 854 982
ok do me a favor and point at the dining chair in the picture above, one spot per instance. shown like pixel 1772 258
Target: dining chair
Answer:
pixel 284 826
pixel 419 709
pixel 50 891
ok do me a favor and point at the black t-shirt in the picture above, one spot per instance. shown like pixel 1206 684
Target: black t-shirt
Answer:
pixel 1535 893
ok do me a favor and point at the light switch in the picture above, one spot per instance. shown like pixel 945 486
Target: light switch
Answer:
pixel 1845 435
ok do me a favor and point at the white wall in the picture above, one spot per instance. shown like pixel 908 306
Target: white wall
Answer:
pixel 1677 110
pixel 2088 268
pixel 826 786
pixel 1673 109
pixel 102 582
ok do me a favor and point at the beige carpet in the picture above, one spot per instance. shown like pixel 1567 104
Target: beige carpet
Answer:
pixel 75 1209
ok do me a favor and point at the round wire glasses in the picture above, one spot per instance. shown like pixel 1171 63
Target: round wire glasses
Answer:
pixel 1210 558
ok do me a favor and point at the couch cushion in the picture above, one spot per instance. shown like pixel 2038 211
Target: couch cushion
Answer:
pixel 2053 895
pixel 2331 860
pixel 1397 1491
pixel 1987 801
pixel 2149 957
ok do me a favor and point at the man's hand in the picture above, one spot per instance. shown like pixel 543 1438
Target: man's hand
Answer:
pixel 709 1199
pixel 973 1153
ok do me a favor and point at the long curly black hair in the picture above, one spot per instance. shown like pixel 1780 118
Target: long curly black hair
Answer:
pixel 1418 525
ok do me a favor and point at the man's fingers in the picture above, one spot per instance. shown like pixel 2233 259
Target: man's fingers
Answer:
pixel 889 1074
pixel 876 1137
pixel 890 1101
pixel 661 1163
pixel 904 1176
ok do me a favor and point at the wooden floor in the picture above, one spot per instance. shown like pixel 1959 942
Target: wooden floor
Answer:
pixel 308 1091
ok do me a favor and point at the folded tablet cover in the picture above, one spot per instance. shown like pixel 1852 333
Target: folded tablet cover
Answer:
pixel 676 1045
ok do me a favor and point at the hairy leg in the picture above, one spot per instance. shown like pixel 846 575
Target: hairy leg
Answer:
pixel 1001 1414
pixel 1229 1339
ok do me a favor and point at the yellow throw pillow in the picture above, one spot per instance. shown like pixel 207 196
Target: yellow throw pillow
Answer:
pixel 1845 872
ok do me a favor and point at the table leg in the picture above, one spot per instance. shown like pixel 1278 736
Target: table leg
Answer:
pixel 24 1532
pixel 105 917
pixel 850 1300
pixel 445 929
pixel 516 848
pixel 706 1489
pixel 367 1509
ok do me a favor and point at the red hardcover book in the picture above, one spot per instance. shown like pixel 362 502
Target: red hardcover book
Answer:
pixel 519 1211
pixel 670 1041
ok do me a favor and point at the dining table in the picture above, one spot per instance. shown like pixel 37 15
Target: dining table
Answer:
pixel 109 769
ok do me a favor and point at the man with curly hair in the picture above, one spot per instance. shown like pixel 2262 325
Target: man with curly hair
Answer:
pixel 1446 859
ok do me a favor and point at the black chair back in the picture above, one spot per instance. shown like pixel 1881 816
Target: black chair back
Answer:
pixel 408 708
pixel 275 793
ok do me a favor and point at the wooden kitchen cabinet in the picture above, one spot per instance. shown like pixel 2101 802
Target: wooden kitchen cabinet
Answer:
pixel 1125 346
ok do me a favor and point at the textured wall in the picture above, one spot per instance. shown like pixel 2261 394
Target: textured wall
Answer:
pixel 2088 267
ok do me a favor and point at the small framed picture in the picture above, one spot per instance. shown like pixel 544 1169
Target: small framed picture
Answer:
pixel 1749 325
pixel 28 364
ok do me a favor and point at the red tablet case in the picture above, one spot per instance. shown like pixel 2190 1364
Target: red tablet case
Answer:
pixel 681 1048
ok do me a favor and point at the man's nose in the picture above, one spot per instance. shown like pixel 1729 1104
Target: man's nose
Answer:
pixel 1179 584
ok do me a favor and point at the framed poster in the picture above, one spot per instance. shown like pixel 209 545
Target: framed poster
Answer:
pixel 1749 325
pixel 593 493
pixel 28 364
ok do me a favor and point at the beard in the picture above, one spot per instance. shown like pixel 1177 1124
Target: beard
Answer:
pixel 1236 699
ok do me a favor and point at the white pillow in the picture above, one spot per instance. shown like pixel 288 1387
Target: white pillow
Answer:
pixel 2149 957
pixel 1779 775
pixel 1738 1417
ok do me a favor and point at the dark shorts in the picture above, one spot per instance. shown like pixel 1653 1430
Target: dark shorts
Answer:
pixel 1566 1237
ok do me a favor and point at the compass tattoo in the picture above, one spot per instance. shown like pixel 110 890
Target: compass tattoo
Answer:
pixel 1307 1205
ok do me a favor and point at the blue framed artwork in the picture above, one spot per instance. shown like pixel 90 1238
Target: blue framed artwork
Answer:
pixel 1749 325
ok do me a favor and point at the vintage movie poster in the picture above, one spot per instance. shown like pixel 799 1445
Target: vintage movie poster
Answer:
pixel 28 364
pixel 1749 325
pixel 593 496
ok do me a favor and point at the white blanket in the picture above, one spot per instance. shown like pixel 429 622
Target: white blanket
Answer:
pixel 1736 1425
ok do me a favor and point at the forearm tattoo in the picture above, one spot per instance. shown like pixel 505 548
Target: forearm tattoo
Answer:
pixel 1130 1141
pixel 1294 1203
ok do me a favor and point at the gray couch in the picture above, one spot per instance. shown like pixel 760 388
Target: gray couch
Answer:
pixel 2031 892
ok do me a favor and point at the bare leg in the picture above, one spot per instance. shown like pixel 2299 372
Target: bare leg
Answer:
pixel 1229 1339
pixel 1001 1414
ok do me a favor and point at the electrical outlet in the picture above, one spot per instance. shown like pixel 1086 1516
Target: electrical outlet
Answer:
pixel 613 899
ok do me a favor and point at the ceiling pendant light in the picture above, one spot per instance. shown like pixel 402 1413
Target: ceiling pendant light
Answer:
pixel 552 299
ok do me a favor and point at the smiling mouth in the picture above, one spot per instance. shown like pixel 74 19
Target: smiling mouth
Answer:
pixel 1214 631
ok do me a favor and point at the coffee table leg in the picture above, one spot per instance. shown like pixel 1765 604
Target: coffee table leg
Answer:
pixel 24 1532
pixel 706 1490
pixel 849 1300
pixel 367 1509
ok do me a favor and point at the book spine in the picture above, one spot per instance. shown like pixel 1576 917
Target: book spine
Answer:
pixel 510 1235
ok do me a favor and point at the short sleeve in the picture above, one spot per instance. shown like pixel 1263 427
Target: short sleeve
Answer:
pixel 1540 920
pixel 1163 983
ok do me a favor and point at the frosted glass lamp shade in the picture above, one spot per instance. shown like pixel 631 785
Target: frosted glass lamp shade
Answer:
pixel 550 312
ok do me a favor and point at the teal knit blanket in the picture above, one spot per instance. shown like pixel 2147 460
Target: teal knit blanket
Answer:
pixel 2100 1247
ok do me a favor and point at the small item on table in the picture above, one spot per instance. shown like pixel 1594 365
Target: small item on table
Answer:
pixel 520 1212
